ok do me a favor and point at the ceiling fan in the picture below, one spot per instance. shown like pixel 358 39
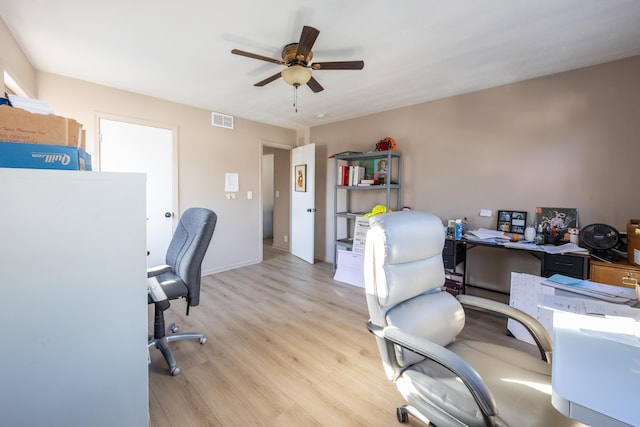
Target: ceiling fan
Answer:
pixel 296 57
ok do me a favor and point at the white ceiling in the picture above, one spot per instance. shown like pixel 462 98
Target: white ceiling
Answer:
pixel 414 50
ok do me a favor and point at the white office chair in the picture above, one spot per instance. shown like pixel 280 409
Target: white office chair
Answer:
pixel 447 382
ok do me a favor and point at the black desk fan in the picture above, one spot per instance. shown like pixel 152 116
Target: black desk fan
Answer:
pixel 600 239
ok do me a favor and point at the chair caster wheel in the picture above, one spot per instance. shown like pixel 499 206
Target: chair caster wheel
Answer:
pixel 175 371
pixel 203 340
pixel 403 415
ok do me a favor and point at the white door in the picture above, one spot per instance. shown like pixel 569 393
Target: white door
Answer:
pixel 303 197
pixel 128 147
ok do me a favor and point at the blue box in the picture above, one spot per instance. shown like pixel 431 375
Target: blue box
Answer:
pixel 43 156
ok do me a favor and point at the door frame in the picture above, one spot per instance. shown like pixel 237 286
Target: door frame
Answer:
pixel 175 205
pixel 267 143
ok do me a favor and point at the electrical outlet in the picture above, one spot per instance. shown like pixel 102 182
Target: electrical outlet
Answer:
pixel 286 238
pixel 485 212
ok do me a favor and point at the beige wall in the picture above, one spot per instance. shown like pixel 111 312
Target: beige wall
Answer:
pixel 566 140
pixel 14 61
pixel 205 154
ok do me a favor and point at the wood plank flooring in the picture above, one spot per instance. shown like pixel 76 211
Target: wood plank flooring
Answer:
pixel 287 346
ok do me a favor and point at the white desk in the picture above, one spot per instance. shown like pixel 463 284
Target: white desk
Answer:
pixel 595 380
pixel 596 371
pixel 73 263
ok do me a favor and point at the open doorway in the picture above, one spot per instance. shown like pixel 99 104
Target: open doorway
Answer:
pixel 276 195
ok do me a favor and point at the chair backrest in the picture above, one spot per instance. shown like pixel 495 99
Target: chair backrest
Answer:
pixel 188 247
pixel 404 276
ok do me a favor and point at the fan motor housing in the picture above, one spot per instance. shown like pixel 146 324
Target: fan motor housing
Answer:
pixel 289 55
pixel 599 236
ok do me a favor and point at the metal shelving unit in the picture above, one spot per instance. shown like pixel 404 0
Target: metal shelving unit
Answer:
pixel 344 195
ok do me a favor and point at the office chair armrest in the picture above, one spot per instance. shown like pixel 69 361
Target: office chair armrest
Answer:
pixel 156 271
pixel 448 359
pixel 535 328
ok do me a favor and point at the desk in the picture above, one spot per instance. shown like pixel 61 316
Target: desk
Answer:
pixel 594 380
pixel 606 396
pixel 456 255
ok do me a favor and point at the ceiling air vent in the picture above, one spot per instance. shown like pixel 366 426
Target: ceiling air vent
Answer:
pixel 222 120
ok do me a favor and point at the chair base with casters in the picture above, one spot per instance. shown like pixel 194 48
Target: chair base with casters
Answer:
pixel 162 337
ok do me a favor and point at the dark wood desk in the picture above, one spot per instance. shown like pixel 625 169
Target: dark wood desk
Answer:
pixel 455 255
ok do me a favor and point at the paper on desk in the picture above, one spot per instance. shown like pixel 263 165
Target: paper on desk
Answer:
pixel 586 306
pixel 484 233
pixel 616 294
pixel 528 246
pixel 563 249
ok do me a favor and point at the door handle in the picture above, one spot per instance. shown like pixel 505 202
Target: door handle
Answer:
pixel 168 214
pixel 311 210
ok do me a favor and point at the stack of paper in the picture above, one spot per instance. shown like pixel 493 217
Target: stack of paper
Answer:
pixel 485 234
pixel 30 104
pixel 586 306
pixel 616 294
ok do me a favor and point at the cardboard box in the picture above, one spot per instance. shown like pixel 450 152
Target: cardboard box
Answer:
pixel 18 125
pixel 38 156
pixel 633 241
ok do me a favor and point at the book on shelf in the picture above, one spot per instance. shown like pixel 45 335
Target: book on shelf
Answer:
pixel 343 175
pixel 356 173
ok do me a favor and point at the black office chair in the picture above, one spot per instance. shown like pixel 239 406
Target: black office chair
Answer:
pixel 180 277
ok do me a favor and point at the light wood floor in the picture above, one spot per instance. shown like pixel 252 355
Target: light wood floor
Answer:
pixel 287 346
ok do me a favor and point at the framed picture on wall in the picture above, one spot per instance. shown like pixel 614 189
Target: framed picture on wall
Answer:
pixel 512 221
pixel 301 178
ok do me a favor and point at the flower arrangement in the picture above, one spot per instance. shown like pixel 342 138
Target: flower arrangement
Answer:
pixel 554 235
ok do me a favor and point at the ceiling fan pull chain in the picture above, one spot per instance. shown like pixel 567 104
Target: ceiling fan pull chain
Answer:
pixel 295 98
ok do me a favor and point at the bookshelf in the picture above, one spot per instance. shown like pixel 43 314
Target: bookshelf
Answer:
pixel 353 199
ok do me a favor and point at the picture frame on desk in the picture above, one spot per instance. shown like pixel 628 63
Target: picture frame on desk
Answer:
pixel 558 218
pixel 512 221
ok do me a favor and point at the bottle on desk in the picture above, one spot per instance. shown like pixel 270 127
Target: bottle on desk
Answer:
pixel 458 230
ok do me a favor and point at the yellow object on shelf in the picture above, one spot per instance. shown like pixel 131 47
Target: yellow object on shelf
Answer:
pixel 377 210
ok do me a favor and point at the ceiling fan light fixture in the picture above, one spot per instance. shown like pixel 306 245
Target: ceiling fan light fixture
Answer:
pixel 296 75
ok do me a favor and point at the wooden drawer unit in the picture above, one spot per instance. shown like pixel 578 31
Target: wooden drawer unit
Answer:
pixel 569 265
pixel 617 273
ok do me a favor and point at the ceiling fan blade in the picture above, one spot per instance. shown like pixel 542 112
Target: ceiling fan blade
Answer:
pixel 314 85
pixel 338 65
pixel 276 76
pixel 307 39
pixel 256 56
